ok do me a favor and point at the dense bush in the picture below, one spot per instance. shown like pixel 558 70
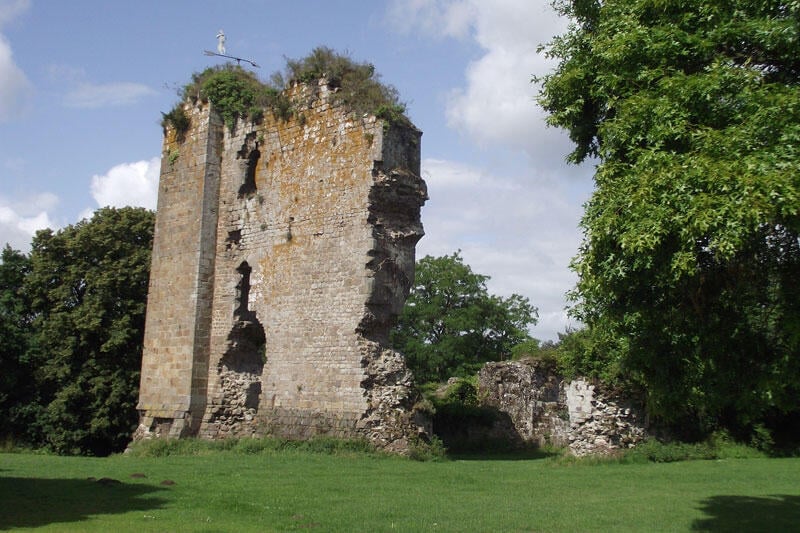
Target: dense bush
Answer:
pixel 237 94
pixel 88 292
pixel 17 390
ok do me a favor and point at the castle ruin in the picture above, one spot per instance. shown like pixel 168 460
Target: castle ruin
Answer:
pixel 283 252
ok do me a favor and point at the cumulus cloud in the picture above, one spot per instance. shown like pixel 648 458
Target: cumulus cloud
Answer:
pixel 450 18
pixel 520 224
pixel 497 106
pixel 128 184
pixel 521 231
pixel 20 220
pixel 14 85
pixel 93 96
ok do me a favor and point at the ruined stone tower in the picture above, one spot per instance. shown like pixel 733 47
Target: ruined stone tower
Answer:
pixel 283 251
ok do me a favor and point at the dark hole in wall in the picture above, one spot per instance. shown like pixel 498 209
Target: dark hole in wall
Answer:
pixel 251 154
pixel 249 183
pixel 234 238
pixel 241 365
pixel 242 310
pixel 240 371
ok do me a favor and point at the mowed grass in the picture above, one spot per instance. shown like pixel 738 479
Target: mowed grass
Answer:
pixel 294 490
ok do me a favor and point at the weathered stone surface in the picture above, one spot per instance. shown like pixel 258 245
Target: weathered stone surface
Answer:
pixel 601 421
pixel 283 252
pixel 546 409
pixel 531 395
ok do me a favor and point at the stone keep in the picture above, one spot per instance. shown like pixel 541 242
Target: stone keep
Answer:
pixel 283 252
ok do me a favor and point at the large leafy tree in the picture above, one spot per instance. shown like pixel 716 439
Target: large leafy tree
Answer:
pixel 690 262
pixel 451 325
pixel 16 382
pixel 88 288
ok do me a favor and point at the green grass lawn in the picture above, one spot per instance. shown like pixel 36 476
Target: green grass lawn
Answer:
pixel 300 490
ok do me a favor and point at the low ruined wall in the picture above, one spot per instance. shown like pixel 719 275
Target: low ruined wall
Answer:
pixel 546 409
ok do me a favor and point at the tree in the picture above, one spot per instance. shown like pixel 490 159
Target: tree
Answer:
pixel 88 288
pixel 690 260
pixel 16 380
pixel 451 325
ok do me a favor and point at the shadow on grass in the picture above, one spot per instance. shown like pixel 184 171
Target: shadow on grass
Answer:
pixel 36 502
pixel 527 454
pixel 745 513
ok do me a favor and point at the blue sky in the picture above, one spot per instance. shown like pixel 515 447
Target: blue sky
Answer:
pixel 83 85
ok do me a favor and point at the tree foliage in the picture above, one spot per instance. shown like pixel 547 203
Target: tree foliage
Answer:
pixel 690 260
pixel 16 380
pixel 451 325
pixel 88 290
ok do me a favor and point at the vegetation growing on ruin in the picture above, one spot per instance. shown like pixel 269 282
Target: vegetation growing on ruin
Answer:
pixel 237 93
pixel 357 85
pixel 177 118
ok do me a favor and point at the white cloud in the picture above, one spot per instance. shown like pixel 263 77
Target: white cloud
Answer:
pixel 11 9
pixel 497 103
pixel 14 85
pixel 93 96
pixel 86 214
pixel 520 230
pixel 128 184
pixel 519 227
pixel 20 220
pixel 448 18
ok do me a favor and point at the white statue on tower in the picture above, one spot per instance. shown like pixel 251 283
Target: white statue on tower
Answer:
pixel 221 42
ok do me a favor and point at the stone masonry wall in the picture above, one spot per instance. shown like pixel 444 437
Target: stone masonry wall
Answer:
pixel 315 222
pixel 177 325
pixel 546 409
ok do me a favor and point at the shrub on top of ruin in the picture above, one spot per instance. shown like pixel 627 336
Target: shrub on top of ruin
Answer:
pixel 546 353
pixel 177 119
pixel 357 85
pixel 237 93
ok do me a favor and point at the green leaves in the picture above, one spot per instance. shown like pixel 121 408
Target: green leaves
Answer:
pixel 451 325
pixel 692 232
pixel 15 329
pixel 88 286
pixel 358 84
pixel 235 92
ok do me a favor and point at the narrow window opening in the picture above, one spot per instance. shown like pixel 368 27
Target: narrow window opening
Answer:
pixel 251 155
pixel 242 311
